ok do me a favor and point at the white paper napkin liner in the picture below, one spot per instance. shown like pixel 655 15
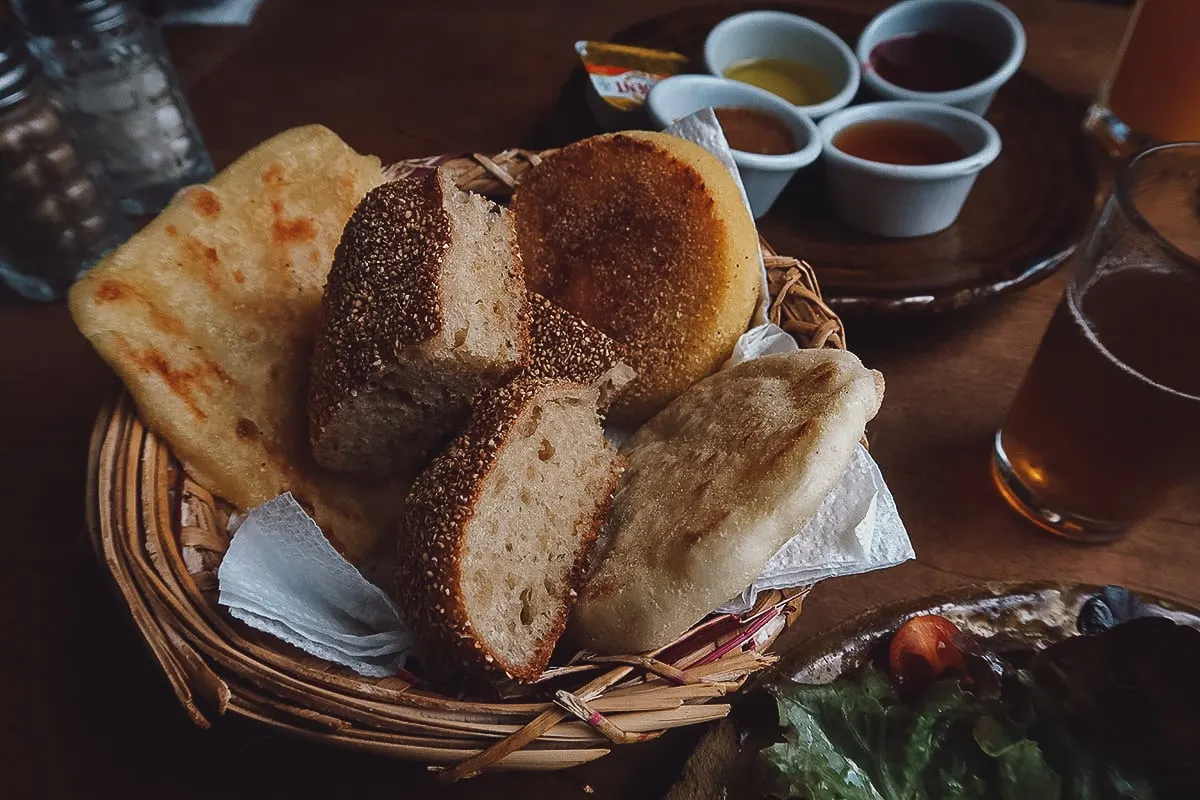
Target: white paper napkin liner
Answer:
pixel 282 575
pixel 843 538
pixel 371 668
pixel 380 643
pixel 276 539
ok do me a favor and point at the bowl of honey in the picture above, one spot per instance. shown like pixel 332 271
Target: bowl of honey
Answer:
pixel 955 52
pixel 790 56
pixel 769 137
pixel 901 169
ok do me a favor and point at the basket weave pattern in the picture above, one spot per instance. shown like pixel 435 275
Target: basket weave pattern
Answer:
pixel 162 537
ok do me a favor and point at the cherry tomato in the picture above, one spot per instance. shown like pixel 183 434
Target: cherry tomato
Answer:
pixel 923 649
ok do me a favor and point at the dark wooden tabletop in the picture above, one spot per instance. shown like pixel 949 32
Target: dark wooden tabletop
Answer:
pixel 83 711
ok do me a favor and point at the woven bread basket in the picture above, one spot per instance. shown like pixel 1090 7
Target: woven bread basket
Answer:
pixel 162 536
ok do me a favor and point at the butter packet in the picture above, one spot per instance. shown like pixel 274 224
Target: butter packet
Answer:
pixel 621 76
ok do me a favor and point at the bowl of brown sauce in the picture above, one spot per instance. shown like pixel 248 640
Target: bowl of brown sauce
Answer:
pixel 954 52
pixel 901 169
pixel 769 137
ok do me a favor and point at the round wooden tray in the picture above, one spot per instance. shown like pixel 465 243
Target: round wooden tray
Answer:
pixel 162 536
pixel 1022 220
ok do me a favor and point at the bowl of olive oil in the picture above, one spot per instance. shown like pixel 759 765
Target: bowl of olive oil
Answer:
pixel 795 58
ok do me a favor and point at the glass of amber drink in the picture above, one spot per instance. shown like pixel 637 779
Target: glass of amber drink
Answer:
pixel 1152 94
pixel 1106 425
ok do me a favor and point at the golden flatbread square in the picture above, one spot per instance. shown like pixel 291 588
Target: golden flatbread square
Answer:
pixel 208 316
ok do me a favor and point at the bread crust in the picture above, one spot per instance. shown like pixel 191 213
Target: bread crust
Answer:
pixel 384 298
pixel 431 547
pixel 646 237
pixel 382 293
pixel 564 347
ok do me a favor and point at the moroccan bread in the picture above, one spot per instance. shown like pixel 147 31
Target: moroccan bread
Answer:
pixel 716 484
pixel 498 529
pixel 208 315
pixel 646 237
pixel 425 307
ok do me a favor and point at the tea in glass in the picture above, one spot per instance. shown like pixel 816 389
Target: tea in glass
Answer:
pixel 1107 421
pixel 1153 92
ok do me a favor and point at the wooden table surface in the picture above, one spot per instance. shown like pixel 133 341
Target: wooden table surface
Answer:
pixel 83 711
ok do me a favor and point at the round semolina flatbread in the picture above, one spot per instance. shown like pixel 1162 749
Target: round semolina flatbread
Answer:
pixel 646 237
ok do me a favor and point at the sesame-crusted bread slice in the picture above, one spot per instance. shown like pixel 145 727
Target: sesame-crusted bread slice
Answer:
pixel 425 307
pixel 563 346
pixel 498 529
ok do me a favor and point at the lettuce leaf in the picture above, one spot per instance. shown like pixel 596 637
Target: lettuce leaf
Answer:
pixel 855 739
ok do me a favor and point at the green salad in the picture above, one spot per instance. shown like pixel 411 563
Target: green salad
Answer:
pixel 1111 714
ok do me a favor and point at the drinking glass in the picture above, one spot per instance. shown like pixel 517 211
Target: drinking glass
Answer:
pixel 1153 92
pixel 1107 421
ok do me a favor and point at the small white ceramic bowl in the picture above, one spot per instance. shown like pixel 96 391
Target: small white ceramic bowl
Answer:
pixel 776 34
pixel 899 200
pixel 985 23
pixel 763 176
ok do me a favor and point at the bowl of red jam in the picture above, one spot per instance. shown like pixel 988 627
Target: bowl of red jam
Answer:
pixel 953 52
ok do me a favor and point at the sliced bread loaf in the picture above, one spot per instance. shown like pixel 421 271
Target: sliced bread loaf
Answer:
pixel 498 529
pixel 425 306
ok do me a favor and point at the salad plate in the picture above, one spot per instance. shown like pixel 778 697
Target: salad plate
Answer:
pixel 1033 690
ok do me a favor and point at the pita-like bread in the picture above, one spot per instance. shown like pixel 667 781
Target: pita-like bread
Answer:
pixel 716 483
pixel 208 316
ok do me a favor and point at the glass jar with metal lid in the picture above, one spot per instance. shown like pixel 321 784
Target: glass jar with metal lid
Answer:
pixel 57 216
pixel 115 79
